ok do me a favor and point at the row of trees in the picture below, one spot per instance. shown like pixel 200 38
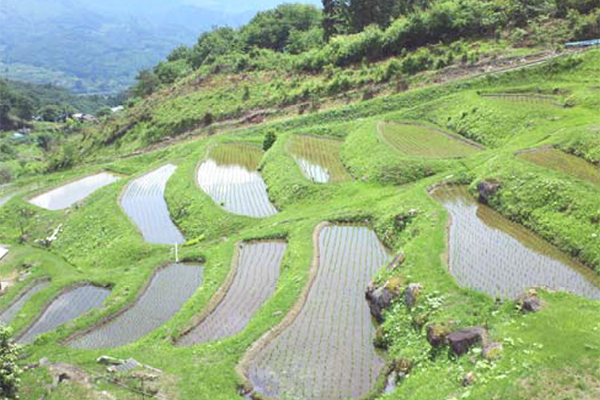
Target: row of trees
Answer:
pixel 303 38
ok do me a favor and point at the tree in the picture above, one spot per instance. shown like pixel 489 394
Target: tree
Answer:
pixel 103 112
pixel 9 378
pixel 146 84
pixel 51 113
pixel 269 140
pixel 334 18
pixel 271 29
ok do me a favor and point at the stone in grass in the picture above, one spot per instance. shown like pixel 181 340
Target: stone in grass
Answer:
pixel 492 351
pixel 461 341
pixel 468 379
pixel 412 294
pixel 487 189
pixel 380 298
pixel 529 302
pixel 108 360
pixel 436 335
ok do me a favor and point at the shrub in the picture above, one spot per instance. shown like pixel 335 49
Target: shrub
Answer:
pixel 269 140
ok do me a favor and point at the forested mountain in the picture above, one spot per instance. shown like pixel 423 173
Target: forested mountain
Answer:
pixel 99 46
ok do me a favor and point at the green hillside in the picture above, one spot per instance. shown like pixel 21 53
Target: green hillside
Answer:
pixel 470 154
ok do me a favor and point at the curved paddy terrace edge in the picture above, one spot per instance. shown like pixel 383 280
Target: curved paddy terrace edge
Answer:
pixel 36 194
pixel 243 367
pixel 50 302
pixel 138 177
pixel 265 207
pixel 553 258
pixel 126 307
pixel 221 294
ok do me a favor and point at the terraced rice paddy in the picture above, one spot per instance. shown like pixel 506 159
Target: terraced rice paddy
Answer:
pixel 318 158
pixel 421 141
pixel 560 161
pixel 524 98
pixel 256 275
pixel 327 352
pixel 144 202
pixel 491 254
pixel 168 291
pixel 65 308
pixel 10 312
pixel 230 178
pixel 71 193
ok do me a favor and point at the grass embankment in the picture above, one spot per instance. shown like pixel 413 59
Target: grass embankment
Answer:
pixel 98 243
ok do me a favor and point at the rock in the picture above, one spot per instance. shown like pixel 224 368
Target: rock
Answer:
pixel 44 361
pixel 436 335
pixel 492 351
pixel 379 298
pixel 468 379
pixel 412 294
pixel 487 189
pixel 529 302
pixel 108 360
pixel 461 341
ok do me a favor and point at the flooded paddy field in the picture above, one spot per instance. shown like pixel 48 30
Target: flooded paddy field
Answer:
pixel 230 178
pixel 169 290
pixel 64 308
pixel 67 195
pixel 560 161
pixel 422 141
pixel 256 275
pixel 327 352
pixel 318 158
pixel 491 254
pixel 10 312
pixel 144 202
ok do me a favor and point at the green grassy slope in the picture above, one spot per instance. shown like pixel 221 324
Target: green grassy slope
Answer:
pixel 98 242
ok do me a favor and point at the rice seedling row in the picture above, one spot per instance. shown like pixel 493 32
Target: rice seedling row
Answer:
pixel 421 141
pixel 524 98
pixel 326 352
pixel 230 178
pixel 67 195
pixel 493 255
pixel 64 308
pixel 318 158
pixel 257 272
pixel 169 290
pixel 10 312
pixel 560 161
pixel 144 202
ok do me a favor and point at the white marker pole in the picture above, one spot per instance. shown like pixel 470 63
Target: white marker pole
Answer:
pixel 176 253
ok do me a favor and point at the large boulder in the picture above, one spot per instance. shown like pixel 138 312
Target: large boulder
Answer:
pixel 436 335
pixel 412 294
pixel 461 341
pixel 529 302
pixel 487 189
pixel 380 298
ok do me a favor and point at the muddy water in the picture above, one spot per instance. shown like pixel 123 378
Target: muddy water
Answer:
pixel 563 162
pixel 168 291
pixel 318 158
pixel 327 351
pixel 71 193
pixel 254 282
pixel 65 308
pixel 230 178
pixel 491 254
pixel 144 202
pixel 9 313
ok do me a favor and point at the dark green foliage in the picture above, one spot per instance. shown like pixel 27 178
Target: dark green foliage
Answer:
pixel 9 354
pixel 272 29
pixel 147 83
pixel 269 140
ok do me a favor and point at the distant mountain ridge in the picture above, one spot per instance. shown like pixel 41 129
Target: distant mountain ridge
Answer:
pixel 98 46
